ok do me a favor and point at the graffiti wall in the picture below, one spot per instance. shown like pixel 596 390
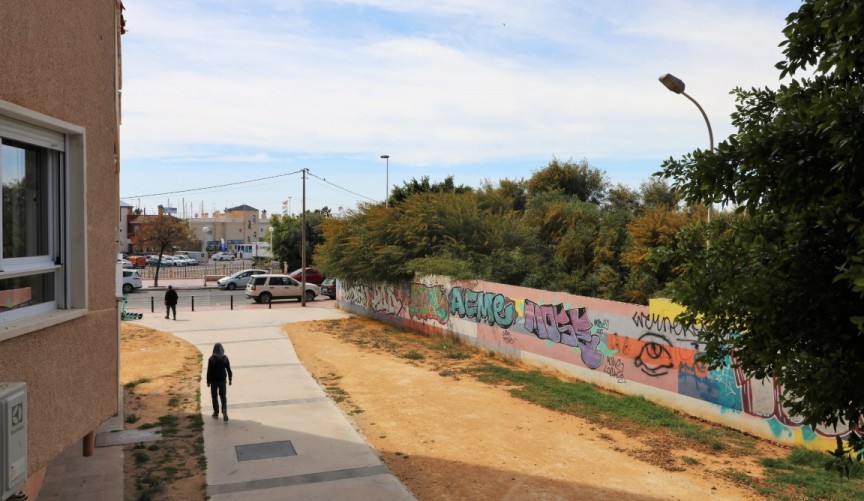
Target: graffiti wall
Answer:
pixel 632 349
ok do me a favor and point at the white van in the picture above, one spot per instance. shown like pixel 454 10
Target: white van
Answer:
pixel 201 257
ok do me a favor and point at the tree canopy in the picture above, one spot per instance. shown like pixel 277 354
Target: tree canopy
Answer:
pixel 163 232
pixel 778 288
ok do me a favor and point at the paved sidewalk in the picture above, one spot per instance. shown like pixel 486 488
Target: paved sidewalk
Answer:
pixel 285 439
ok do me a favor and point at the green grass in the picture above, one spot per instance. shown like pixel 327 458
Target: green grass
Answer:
pixel 802 475
pixel 132 384
pixel 173 402
pixel 620 411
pixel 132 418
pixel 141 457
pixel 414 355
pixel 169 424
pixel 196 422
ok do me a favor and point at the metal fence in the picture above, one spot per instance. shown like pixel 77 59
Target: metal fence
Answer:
pixel 221 268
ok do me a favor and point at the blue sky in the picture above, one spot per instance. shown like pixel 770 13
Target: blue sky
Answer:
pixel 218 92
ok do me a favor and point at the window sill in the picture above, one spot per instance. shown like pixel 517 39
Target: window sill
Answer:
pixel 27 325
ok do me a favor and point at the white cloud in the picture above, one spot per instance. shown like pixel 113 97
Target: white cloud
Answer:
pixel 436 82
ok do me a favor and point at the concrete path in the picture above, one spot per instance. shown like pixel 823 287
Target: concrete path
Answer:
pixel 285 438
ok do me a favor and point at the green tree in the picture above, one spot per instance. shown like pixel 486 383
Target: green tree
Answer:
pixel 164 232
pixel 444 233
pixel 577 179
pixel 287 236
pixel 409 188
pixel 779 286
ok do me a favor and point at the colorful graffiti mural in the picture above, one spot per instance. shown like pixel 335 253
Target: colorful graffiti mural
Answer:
pixel 638 349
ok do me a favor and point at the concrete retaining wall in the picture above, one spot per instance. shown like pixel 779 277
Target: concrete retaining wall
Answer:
pixel 628 348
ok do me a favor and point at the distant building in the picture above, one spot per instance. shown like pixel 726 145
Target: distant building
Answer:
pixel 236 226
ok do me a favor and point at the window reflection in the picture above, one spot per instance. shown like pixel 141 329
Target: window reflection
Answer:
pixel 25 200
pixel 26 291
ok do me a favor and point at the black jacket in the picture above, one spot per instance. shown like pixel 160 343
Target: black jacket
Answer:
pixel 171 296
pixel 218 366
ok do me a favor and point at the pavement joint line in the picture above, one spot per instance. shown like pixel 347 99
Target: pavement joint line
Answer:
pixel 259 340
pixel 268 326
pixel 292 480
pixel 275 403
pixel 264 366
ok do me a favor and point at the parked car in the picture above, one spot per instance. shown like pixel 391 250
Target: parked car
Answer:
pixel 239 279
pixel 179 261
pixel 265 288
pixel 125 262
pixel 328 288
pixel 313 276
pixel 131 281
pixel 152 259
pixel 190 261
pixel 223 256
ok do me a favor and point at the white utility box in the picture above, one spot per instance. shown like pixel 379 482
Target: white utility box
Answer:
pixel 13 438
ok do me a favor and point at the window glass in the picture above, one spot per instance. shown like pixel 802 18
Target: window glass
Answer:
pixel 30 290
pixel 25 200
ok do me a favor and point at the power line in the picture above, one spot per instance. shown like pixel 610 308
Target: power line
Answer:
pixel 215 186
pixel 341 188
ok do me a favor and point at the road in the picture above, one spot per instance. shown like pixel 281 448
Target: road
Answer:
pixel 143 299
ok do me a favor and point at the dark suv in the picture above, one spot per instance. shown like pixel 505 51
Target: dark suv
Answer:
pixel 328 288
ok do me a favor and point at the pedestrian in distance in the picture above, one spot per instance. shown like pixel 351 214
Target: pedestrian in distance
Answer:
pixel 171 302
pixel 218 370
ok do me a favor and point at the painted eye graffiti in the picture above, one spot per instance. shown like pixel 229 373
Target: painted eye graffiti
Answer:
pixel 654 359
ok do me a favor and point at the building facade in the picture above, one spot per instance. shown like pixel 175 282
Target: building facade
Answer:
pixel 231 229
pixel 59 170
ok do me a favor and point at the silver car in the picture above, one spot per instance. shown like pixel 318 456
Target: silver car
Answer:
pixel 239 279
pixel 265 288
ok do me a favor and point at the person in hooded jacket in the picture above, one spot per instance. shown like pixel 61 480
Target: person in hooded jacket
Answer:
pixel 171 302
pixel 218 367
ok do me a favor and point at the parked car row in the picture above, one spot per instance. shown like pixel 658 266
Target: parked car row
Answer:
pixel 175 260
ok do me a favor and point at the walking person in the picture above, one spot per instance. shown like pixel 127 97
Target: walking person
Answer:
pixel 217 368
pixel 171 302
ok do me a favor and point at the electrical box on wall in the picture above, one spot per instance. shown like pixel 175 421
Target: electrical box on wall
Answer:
pixel 13 438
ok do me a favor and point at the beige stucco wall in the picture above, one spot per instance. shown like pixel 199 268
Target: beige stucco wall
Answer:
pixel 58 58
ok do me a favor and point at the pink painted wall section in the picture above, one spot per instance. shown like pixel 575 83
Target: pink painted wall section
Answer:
pixel 632 349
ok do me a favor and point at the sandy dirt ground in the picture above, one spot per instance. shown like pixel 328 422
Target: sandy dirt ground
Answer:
pixel 448 436
pixel 161 375
pixel 443 433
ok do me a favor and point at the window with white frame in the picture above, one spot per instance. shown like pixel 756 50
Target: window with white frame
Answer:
pixel 38 232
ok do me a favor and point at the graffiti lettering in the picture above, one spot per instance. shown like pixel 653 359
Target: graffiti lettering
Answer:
pixel 427 302
pixel 385 301
pixel 489 307
pixel 507 337
pixel 654 359
pixel 355 294
pixel 615 368
pixel 763 398
pixel 656 323
pixel 570 327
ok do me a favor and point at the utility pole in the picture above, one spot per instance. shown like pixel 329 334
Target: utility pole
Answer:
pixel 303 246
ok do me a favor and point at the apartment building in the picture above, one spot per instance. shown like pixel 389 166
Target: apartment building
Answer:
pixel 59 169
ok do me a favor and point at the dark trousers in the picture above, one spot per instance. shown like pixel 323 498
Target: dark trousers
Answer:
pixel 220 387
pixel 171 308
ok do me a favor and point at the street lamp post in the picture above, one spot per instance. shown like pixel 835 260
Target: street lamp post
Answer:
pixel 676 85
pixel 387 181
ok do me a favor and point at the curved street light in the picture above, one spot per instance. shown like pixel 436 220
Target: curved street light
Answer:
pixel 387 185
pixel 676 85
